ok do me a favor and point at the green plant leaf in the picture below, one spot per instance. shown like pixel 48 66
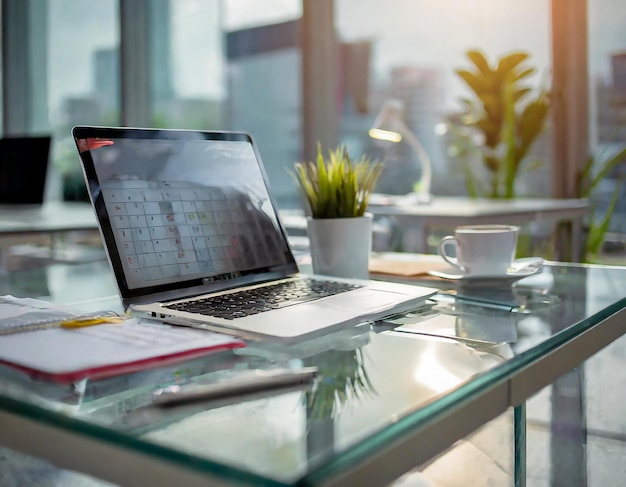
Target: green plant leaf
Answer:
pixel 597 232
pixel 508 63
pixel 491 131
pixel 584 178
pixel 510 160
pixel 523 74
pixel 470 182
pixel 479 60
pixel 504 113
pixel 532 123
pixel 606 167
pixel 335 186
pixel 520 93
pixel 492 104
pixel 478 84
pixel 586 185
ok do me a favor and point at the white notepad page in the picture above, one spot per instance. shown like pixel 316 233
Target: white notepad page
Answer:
pixel 107 347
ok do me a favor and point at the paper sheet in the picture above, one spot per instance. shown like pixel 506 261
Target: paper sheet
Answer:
pixel 406 265
pixel 106 349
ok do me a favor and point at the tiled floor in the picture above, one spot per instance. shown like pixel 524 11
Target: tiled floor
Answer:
pixel 558 451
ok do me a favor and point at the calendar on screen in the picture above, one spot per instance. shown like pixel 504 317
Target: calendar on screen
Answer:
pixel 194 213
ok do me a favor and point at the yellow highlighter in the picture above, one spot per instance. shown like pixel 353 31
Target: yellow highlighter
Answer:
pixel 91 321
pixel 73 322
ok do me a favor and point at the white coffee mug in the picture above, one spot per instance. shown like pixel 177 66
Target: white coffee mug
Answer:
pixel 481 249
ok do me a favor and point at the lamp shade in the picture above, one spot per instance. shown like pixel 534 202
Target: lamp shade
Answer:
pixel 389 126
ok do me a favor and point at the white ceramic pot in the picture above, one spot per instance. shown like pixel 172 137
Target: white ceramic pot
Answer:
pixel 341 247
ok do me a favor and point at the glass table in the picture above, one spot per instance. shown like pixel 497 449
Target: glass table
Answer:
pixel 390 397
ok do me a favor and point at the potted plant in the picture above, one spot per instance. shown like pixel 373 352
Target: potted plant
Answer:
pixel 506 116
pixel 336 191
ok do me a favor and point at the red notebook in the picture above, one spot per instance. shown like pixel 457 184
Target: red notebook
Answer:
pixel 105 350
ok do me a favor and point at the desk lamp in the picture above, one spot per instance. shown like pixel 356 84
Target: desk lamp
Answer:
pixel 389 127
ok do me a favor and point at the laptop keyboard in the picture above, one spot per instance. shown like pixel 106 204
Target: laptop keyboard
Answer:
pixel 258 300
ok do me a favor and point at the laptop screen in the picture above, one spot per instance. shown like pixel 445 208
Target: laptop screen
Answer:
pixel 182 208
pixel 23 169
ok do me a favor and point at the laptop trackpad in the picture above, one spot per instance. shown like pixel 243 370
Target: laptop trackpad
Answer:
pixel 365 300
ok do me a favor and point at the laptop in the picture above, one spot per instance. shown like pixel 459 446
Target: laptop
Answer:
pixel 23 169
pixel 194 238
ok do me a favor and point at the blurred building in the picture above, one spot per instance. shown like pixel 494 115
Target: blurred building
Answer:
pixel 264 98
pixel 106 67
pixel 611 103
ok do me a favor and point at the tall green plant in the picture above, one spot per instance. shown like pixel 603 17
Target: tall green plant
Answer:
pixel 595 170
pixel 336 186
pixel 506 114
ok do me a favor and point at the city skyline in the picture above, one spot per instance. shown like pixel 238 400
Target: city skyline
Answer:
pixel 197 38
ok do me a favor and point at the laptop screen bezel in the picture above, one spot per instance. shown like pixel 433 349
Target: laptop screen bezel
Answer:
pixel 192 286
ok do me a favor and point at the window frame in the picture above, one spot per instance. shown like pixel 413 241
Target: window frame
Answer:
pixel 23 62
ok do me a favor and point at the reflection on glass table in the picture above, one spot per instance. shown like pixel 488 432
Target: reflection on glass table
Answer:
pixel 389 396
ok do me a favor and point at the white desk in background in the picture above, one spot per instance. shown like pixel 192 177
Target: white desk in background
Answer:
pixel 446 212
pixel 27 224
pixel 51 217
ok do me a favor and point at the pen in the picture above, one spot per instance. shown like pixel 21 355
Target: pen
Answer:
pixel 261 382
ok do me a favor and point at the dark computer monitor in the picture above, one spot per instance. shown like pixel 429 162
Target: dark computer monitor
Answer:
pixel 23 169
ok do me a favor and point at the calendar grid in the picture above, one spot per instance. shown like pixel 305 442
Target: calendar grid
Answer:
pixel 173 231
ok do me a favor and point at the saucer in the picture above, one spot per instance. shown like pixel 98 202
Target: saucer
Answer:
pixel 520 269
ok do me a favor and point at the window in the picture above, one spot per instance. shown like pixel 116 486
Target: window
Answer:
pixel 231 65
pixel 83 80
pixel 236 65
pixel 415 49
pixel 263 85
pixel 187 84
pixel 607 85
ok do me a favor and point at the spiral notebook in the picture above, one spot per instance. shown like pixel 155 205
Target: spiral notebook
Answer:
pixel 100 351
